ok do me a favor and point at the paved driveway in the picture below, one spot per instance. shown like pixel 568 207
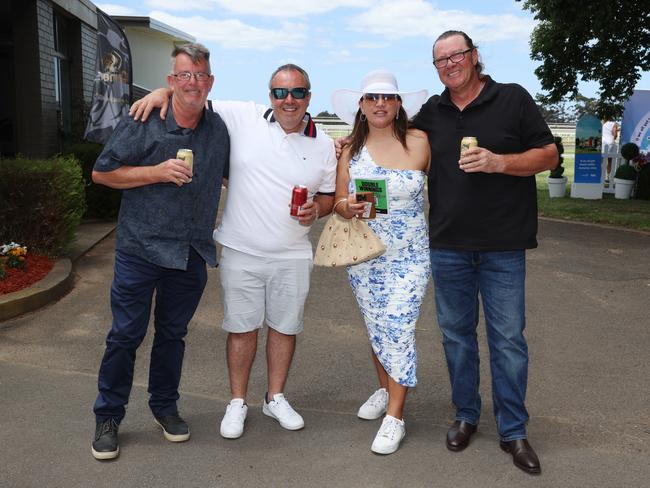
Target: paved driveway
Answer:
pixel 588 302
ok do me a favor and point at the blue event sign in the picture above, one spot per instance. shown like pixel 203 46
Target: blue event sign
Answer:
pixel 636 120
pixel 588 158
pixel 587 168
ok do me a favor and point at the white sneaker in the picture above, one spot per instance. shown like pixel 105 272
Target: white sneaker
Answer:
pixel 232 425
pixel 375 406
pixel 280 410
pixel 390 434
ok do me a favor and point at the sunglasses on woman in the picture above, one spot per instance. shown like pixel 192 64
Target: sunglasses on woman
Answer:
pixel 282 93
pixel 374 97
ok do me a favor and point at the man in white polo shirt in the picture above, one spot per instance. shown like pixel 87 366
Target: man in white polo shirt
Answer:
pixel 267 257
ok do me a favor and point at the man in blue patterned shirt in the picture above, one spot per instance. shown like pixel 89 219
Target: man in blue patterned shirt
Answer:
pixel 164 240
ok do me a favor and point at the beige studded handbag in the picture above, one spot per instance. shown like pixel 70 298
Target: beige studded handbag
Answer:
pixel 345 242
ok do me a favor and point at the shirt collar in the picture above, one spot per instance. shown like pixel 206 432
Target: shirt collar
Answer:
pixel 310 127
pixel 172 126
pixel 487 93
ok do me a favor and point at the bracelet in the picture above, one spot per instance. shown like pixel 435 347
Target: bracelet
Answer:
pixel 340 200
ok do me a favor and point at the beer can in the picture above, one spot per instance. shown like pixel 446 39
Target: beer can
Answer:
pixel 467 143
pixel 298 199
pixel 187 156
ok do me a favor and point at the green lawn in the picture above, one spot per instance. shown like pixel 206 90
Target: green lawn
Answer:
pixel 633 214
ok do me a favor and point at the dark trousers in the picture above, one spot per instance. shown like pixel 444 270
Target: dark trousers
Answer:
pixel 177 296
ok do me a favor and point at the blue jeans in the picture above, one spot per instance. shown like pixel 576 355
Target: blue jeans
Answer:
pixel 499 278
pixel 177 296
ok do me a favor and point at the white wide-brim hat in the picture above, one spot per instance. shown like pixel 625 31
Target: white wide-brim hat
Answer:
pixel 346 102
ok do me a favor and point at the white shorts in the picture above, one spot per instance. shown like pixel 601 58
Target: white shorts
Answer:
pixel 610 149
pixel 257 289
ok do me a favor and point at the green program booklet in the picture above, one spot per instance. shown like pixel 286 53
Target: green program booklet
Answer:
pixel 376 186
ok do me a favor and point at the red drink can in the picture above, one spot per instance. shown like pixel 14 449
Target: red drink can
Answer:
pixel 298 199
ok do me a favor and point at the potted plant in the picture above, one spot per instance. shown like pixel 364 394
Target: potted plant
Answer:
pixel 557 182
pixel 642 165
pixel 625 175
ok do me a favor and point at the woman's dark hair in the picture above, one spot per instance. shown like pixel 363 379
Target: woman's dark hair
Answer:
pixel 360 130
pixel 470 45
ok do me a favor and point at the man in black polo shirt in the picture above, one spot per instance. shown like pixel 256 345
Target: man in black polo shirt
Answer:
pixel 483 216
pixel 164 240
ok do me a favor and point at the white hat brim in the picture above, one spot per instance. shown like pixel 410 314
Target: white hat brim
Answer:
pixel 346 102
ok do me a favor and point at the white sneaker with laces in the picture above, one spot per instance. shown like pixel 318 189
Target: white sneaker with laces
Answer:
pixel 232 425
pixel 375 406
pixel 390 434
pixel 280 410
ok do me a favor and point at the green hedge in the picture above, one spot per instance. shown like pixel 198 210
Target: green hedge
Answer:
pixel 101 202
pixel 42 202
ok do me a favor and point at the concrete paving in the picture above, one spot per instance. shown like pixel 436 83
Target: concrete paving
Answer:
pixel 588 331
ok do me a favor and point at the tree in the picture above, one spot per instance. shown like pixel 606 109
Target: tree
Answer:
pixel 554 112
pixel 585 105
pixel 607 41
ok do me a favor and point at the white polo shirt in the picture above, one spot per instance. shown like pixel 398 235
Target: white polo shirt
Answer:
pixel 265 164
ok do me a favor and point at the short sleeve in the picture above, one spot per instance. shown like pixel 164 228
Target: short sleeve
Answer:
pixel 328 184
pixel 121 147
pixel 534 129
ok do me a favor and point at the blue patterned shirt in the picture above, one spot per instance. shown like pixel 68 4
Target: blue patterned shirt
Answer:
pixel 160 222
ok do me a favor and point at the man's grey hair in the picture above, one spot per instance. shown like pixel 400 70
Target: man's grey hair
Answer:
pixel 291 67
pixel 197 52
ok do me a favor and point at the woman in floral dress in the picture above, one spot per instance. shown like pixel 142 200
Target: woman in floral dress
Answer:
pixel 389 289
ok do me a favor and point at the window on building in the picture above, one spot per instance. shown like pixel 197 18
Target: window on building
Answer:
pixel 62 55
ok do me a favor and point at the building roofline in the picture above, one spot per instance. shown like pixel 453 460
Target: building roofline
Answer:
pixel 153 24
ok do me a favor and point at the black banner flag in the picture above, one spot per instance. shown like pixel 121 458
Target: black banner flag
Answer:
pixel 112 87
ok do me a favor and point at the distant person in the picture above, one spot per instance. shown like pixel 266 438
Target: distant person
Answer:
pixel 164 240
pixel 482 218
pixel 266 259
pixel 610 146
pixel 389 289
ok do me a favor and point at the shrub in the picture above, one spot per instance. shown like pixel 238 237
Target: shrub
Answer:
pixel 625 172
pixel 642 163
pixel 629 151
pixel 559 169
pixel 101 202
pixel 43 201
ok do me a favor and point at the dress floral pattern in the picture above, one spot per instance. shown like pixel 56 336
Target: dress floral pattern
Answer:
pixel 389 289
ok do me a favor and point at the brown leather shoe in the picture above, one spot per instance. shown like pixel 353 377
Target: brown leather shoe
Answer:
pixel 459 434
pixel 523 455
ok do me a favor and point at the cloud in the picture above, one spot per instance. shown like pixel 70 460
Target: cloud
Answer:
pixel 185 5
pixel 343 55
pixel 112 9
pixel 371 45
pixel 396 19
pixel 234 34
pixel 263 8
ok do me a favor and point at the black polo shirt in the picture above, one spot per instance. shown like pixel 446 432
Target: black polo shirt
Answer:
pixel 160 222
pixel 481 211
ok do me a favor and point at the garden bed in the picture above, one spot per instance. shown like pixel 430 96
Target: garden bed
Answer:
pixel 17 279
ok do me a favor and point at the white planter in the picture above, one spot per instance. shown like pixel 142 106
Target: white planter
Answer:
pixel 623 188
pixel 557 187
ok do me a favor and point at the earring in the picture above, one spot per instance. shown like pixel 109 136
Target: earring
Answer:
pixel 362 117
pixel 397 115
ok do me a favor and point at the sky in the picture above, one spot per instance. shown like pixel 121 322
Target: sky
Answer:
pixel 338 41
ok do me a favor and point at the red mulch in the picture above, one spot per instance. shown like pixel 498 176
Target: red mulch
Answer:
pixel 17 279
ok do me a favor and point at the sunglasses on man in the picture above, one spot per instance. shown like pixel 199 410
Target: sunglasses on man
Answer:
pixel 282 93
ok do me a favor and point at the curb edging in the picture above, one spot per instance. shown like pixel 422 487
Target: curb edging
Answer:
pixel 56 284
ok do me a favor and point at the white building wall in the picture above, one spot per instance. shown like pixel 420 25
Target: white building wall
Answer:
pixel 151 53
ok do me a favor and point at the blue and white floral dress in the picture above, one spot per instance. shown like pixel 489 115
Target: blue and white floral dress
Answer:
pixel 389 289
